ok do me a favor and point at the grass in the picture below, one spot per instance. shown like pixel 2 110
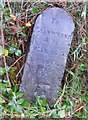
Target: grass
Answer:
pixel 16 20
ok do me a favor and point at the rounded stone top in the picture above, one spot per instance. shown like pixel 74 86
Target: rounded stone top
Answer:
pixel 57 19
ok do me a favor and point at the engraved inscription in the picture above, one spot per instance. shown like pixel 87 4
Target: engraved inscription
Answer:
pixel 54 21
pixel 54 33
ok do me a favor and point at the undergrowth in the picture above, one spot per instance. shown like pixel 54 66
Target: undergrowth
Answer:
pixel 17 21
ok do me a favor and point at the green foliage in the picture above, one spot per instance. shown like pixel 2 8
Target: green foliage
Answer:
pixel 41 104
pixel 61 113
pixel 34 10
pixel 18 52
pixel 2 100
pixel 13 49
pixel 2 71
pixel 14 98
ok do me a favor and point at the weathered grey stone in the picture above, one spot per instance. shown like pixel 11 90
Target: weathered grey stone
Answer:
pixel 46 60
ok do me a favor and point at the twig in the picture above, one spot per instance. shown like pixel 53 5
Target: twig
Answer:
pixel 3 45
pixel 22 4
pixel 17 60
pixel 80 108
pixel 19 71
pixel 6 99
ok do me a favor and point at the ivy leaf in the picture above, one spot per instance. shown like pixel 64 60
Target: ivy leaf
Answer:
pixel 61 113
pixel 34 10
pixel 20 101
pixel 2 100
pixel 53 114
pixel 15 89
pixel 19 94
pixel 2 71
pixel 25 103
pixel 6 52
pixel 6 9
pixel 15 107
pixel 18 53
pixel 12 50
pixel 43 109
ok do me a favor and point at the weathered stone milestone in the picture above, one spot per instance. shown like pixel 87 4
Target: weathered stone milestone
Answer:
pixel 46 60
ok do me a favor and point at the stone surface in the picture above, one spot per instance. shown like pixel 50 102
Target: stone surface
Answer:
pixel 46 60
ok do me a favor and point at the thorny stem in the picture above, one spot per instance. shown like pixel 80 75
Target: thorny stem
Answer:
pixel 3 45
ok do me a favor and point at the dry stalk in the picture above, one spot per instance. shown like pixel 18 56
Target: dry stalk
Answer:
pixel 60 98
pixel 3 44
